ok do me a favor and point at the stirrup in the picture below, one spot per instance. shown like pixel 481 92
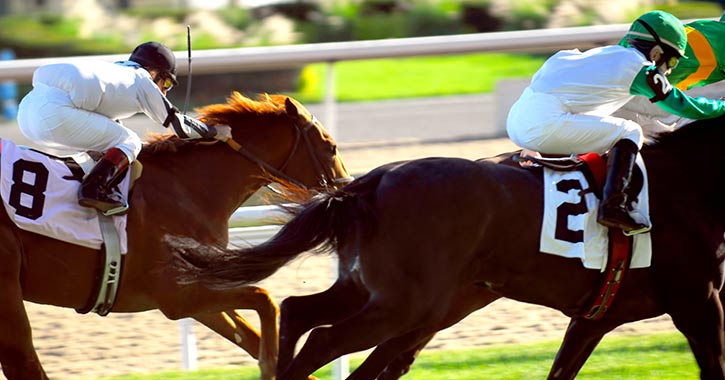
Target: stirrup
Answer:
pixel 119 210
pixel 112 210
pixel 637 231
pixel 640 219
pixel 108 206
pixel 636 224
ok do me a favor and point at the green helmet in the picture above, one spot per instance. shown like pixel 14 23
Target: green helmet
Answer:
pixel 661 28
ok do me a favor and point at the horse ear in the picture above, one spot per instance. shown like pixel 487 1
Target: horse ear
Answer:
pixel 291 106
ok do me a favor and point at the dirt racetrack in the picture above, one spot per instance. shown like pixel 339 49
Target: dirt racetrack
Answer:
pixel 73 346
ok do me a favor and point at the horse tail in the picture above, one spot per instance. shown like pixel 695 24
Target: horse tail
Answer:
pixel 322 225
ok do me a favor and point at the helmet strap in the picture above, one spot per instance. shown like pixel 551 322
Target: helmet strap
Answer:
pixel 659 46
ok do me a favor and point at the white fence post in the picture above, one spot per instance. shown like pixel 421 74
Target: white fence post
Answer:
pixel 341 365
pixel 329 99
pixel 189 358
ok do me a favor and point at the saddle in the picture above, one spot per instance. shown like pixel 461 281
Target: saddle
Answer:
pixel 593 166
pixel 619 252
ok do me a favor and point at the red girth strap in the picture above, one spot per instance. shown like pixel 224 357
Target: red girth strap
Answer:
pixel 620 255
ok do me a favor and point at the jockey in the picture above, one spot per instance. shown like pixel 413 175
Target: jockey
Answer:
pixel 76 106
pixel 703 64
pixel 567 108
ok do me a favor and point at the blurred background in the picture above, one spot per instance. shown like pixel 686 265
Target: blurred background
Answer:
pixel 56 28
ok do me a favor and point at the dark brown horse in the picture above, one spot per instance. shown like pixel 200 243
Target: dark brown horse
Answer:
pixel 188 189
pixel 423 243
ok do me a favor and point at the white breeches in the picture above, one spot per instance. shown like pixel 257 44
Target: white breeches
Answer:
pixel 541 123
pixel 47 116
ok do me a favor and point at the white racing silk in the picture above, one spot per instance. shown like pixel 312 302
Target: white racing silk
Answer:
pixel 38 199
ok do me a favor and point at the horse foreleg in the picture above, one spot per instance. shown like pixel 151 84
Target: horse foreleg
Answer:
pixel 18 358
pixel 402 363
pixel 300 314
pixel 702 325
pixel 398 365
pixel 17 354
pixel 235 328
pixel 380 319
pixel 581 338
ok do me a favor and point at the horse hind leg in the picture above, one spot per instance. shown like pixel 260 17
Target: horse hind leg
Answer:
pixel 581 338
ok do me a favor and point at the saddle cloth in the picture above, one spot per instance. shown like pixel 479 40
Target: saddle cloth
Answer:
pixel 40 194
pixel 570 227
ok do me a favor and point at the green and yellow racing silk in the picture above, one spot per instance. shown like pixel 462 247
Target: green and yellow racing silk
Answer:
pixel 704 61
pixel 653 84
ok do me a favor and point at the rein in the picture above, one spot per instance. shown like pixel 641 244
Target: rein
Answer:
pixel 300 132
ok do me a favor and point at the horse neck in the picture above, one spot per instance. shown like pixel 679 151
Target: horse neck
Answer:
pixel 688 177
pixel 213 180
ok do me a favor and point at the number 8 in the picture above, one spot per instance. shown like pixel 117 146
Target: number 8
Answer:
pixel 36 189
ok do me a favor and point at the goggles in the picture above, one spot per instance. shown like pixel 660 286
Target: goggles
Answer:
pixel 672 62
pixel 167 84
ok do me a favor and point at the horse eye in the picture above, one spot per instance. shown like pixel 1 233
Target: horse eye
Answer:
pixel 333 150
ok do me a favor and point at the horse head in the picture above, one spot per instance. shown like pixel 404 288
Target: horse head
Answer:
pixel 303 154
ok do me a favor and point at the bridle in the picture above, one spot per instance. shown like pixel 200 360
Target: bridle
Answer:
pixel 301 133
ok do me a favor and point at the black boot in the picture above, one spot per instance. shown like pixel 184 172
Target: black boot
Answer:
pixel 614 210
pixel 98 189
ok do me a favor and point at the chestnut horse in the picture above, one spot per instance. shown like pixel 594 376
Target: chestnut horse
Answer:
pixel 423 243
pixel 188 188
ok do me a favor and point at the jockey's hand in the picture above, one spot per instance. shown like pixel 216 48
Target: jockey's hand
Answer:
pixel 223 132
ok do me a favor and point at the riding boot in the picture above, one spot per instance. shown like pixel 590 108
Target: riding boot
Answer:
pixel 99 190
pixel 615 208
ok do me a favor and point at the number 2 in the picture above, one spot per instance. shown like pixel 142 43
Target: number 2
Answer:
pixel 567 209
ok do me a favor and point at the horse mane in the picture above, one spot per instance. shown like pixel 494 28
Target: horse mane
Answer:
pixel 236 108
pixel 692 136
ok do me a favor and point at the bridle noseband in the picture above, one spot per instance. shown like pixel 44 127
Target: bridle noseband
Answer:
pixel 300 133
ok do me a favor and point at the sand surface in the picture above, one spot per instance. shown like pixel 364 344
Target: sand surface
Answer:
pixel 73 346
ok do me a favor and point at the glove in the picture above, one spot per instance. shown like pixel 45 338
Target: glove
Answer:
pixel 223 132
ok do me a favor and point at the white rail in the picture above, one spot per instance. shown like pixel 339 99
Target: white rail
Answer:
pixel 265 58
pixel 251 216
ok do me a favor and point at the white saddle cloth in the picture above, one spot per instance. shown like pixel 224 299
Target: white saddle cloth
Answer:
pixel 38 198
pixel 570 227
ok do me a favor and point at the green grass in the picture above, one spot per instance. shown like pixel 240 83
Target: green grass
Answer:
pixel 657 356
pixel 416 77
